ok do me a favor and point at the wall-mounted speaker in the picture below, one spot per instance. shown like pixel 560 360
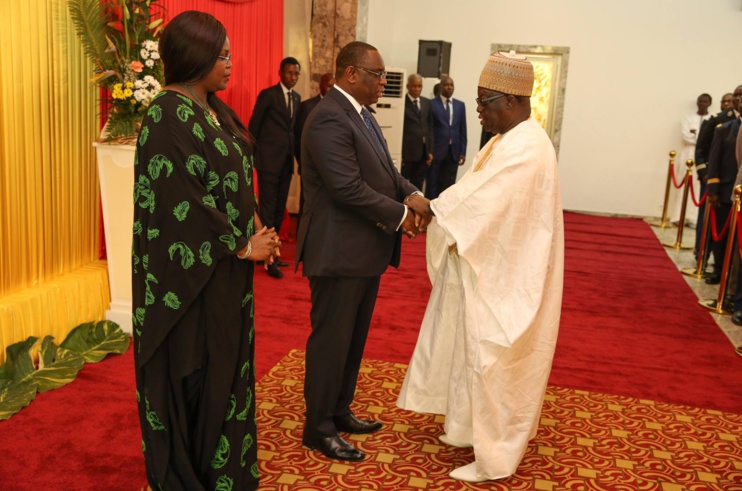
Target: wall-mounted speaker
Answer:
pixel 433 58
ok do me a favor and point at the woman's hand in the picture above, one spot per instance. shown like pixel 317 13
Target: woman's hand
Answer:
pixel 264 244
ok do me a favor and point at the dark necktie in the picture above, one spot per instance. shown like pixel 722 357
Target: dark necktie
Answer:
pixel 417 105
pixel 448 112
pixel 290 104
pixel 367 119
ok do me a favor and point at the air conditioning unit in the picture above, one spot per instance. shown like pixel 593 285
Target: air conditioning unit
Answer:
pixel 390 112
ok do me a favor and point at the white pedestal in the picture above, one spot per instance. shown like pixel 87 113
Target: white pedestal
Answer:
pixel 116 174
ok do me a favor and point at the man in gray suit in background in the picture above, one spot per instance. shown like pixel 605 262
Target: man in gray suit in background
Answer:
pixel 417 147
pixel 350 232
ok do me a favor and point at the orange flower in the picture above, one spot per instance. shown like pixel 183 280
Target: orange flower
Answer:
pixel 136 66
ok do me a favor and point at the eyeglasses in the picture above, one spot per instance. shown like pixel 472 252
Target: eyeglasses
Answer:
pixel 227 58
pixel 482 102
pixel 378 75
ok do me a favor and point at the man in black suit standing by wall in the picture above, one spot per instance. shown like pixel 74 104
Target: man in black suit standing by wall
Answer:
pixel 272 125
pixel 350 231
pixel 417 148
pixel 703 152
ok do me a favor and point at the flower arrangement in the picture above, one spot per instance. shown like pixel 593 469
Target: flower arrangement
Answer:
pixel 120 38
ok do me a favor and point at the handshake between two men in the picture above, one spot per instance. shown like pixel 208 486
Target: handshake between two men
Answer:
pixel 418 217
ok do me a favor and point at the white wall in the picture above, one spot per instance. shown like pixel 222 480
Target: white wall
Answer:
pixel 635 68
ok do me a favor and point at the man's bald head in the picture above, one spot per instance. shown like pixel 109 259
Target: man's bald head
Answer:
pixel 414 85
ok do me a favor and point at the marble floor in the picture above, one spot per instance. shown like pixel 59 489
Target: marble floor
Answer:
pixel 683 258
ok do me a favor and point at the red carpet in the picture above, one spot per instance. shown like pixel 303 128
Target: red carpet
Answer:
pixel 630 326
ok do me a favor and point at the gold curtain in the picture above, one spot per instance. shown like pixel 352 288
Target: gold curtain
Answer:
pixel 49 197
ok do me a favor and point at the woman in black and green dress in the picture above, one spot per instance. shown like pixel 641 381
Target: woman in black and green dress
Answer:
pixel 196 235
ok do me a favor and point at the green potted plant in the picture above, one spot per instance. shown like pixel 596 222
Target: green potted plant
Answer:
pixel 120 38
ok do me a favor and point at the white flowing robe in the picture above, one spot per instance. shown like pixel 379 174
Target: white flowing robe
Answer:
pixel 488 336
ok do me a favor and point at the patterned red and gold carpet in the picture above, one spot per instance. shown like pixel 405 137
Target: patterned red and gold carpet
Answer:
pixel 586 441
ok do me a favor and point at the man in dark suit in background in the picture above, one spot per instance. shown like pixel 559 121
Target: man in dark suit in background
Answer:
pixel 272 126
pixel 417 149
pixel 449 140
pixel 722 171
pixel 325 84
pixel 703 150
pixel 350 231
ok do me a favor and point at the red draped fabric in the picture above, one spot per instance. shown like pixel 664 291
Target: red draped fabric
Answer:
pixel 255 31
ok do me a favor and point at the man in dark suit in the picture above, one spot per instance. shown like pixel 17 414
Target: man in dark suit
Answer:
pixel 350 231
pixel 703 150
pixel 272 126
pixel 449 140
pixel 722 171
pixel 417 149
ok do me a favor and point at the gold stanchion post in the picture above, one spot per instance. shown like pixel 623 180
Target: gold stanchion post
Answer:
pixel 700 270
pixel 681 221
pixel 664 222
pixel 718 305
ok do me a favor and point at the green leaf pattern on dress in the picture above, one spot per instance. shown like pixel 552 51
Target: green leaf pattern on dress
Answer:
pixel 247 442
pixel 156 164
pixel 229 241
pixel 196 162
pixel 184 112
pixel 230 181
pixel 171 300
pixel 143 189
pixel 137 228
pixel 209 200
pixel 152 418
pixel 153 233
pixel 221 146
pixel 198 132
pixel 224 483
pixel 143 134
pixel 186 254
pixel 154 112
pixel 221 456
pixel 212 180
pixel 204 253
pixel 181 210
pixel 231 408
pixel 149 297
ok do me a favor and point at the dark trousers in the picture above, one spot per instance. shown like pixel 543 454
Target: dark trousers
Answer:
pixel 718 248
pixel 341 314
pixel 699 220
pixel 273 192
pixel 415 172
pixel 441 175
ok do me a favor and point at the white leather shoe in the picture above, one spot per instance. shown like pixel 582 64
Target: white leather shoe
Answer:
pixel 444 438
pixel 467 473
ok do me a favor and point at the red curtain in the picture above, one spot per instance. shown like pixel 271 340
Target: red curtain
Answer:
pixel 255 32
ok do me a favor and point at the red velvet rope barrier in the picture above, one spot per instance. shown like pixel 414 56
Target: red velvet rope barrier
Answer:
pixel 693 196
pixel 739 233
pixel 672 173
pixel 717 235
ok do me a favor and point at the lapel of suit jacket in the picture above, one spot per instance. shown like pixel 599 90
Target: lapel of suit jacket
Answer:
pixel 357 120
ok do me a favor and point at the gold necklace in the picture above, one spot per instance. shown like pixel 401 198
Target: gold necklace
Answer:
pixel 205 107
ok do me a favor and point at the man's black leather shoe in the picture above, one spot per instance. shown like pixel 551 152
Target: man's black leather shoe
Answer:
pixel 334 447
pixel 274 271
pixel 737 318
pixel 280 263
pixel 713 280
pixel 353 425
